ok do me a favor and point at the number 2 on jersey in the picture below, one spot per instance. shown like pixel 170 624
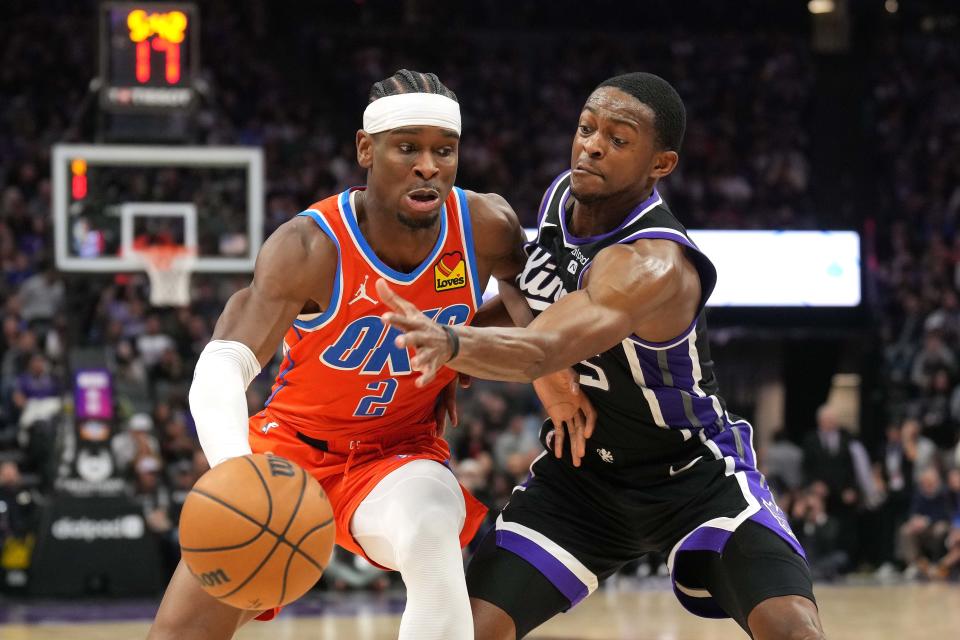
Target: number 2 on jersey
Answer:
pixel 375 405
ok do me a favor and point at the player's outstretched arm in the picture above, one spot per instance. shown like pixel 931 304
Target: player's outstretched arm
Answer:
pixel 296 264
pixel 649 289
pixel 499 244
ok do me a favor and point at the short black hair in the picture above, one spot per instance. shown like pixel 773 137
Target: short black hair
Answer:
pixel 406 81
pixel 670 116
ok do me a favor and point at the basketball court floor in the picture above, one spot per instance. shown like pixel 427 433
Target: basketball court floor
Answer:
pixel 901 612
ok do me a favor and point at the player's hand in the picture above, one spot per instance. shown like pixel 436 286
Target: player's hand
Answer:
pixel 429 341
pixel 569 410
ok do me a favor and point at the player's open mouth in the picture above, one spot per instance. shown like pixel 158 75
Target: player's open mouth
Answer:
pixel 423 199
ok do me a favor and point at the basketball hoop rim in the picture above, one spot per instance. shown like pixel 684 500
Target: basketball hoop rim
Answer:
pixel 161 257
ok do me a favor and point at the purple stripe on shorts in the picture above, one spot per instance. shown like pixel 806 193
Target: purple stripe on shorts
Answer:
pixel 555 571
pixel 703 539
pixel 706 539
pixel 703 607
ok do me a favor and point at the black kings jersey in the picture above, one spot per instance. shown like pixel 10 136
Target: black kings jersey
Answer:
pixel 658 400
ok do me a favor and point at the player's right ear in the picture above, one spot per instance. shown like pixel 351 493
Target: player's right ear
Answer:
pixel 364 149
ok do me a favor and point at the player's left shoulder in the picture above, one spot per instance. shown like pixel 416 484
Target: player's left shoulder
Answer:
pixel 490 212
pixel 496 228
pixel 644 266
pixel 667 252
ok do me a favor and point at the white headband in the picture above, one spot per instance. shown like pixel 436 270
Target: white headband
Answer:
pixel 411 109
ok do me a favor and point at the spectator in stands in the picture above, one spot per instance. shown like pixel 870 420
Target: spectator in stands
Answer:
pixel 123 361
pixel 492 409
pixel 933 410
pixel 8 333
pixel 42 294
pixel 827 459
pixel 16 504
pixel 132 315
pixel 946 318
pixel 820 535
pixel 473 440
pixel 170 376
pixel 176 443
pixel 18 524
pixel 922 536
pixel 16 358
pixel 153 342
pixel 17 269
pixel 783 461
pixel 476 479
pixel 950 562
pixel 828 464
pixel 37 392
pixel 897 477
pixel 153 496
pixel 934 356
pixel 919 450
pixel 135 442
pixel 181 480
pixel 515 448
pixel 194 337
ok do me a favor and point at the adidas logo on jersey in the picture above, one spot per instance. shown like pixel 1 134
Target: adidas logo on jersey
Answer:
pixel 450 272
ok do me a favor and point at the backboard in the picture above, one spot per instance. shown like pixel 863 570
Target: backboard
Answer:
pixel 110 199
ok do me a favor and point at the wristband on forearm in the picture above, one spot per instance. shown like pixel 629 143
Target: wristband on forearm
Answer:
pixel 453 339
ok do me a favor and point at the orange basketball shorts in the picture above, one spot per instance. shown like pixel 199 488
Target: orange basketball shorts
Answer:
pixel 348 479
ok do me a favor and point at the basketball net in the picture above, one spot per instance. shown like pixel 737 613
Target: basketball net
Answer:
pixel 169 269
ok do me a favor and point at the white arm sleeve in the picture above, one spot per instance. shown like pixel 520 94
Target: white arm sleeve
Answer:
pixel 218 399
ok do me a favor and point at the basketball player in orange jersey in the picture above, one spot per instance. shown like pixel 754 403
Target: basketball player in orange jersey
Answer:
pixel 344 404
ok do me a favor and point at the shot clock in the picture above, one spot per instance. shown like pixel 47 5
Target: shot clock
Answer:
pixel 148 56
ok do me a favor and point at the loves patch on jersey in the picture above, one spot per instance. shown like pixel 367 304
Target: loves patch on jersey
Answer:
pixel 450 272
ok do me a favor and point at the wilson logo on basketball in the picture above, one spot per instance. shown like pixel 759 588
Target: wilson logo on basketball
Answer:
pixel 450 272
pixel 213 578
pixel 280 467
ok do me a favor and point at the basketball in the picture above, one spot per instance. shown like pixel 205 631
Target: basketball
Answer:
pixel 257 531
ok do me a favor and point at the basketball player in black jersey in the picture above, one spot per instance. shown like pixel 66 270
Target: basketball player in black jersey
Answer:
pixel 618 290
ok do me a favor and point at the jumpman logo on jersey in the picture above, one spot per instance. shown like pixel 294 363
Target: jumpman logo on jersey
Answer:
pixel 270 425
pixel 361 293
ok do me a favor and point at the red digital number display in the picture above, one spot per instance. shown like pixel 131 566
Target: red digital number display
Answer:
pixel 157 32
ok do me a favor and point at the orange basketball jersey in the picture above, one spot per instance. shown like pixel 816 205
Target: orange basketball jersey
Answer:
pixel 342 376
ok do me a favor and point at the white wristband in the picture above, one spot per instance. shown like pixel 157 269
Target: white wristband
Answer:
pixel 218 399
